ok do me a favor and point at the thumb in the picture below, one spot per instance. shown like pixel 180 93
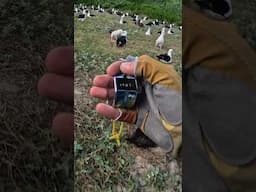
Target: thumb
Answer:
pixel 128 68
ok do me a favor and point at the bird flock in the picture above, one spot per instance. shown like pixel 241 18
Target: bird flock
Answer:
pixel 119 36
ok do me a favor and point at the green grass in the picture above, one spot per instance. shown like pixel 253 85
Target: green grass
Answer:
pixel 169 10
pixel 92 42
pixel 99 164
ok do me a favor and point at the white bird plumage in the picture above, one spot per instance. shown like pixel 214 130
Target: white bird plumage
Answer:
pixel 167 57
pixel 115 34
pixel 160 39
pixel 170 31
pixel 148 32
pixel 88 14
pixel 122 19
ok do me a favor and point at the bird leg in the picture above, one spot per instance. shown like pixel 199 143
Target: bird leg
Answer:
pixel 116 135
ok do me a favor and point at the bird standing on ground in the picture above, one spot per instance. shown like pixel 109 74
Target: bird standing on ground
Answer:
pixel 88 14
pixel 75 10
pixel 156 22
pixel 145 18
pixel 170 31
pixel 167 57
pixel 150 23
pixel 160 39
pixel 122 39
pixel 136 19
pixel 82 16
pixel 115 34
pixel 119 13
pixel 101 10
pixel 122 19
pixel 148 32
pixel 140 23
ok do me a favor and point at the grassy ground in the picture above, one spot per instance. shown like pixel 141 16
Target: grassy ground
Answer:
pixel 164 9
pixel 31 157
pixel 244 17
pixel 99 165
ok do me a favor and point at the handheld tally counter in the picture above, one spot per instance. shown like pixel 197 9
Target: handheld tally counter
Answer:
pixel 126 91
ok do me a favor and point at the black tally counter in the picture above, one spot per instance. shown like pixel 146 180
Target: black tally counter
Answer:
pixel 126 91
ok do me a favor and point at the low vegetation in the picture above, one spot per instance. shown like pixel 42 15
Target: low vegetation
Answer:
pixel 32 159
pixel 169 10
pixel 99 164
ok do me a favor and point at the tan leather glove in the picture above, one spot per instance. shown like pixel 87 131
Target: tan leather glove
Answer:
pixel 159 112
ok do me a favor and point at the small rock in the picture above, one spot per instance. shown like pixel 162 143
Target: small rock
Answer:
pixel 77 92
pixel 142 182
pixel 173 167
pixel 120 188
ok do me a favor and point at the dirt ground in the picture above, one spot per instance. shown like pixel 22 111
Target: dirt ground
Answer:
pixel 32 158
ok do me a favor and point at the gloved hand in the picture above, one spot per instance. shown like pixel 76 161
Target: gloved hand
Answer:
pixel 159 113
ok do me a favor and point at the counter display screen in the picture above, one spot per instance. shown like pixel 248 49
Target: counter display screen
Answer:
pixel 126 84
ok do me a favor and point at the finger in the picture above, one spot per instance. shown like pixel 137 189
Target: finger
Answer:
pixel 61 61
pixel 114 68
pixel 128 68
pixel 63 127
pixel 113 113
pixel 102 93
pixel 104 81
pixel 107 111
pixel 57 87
